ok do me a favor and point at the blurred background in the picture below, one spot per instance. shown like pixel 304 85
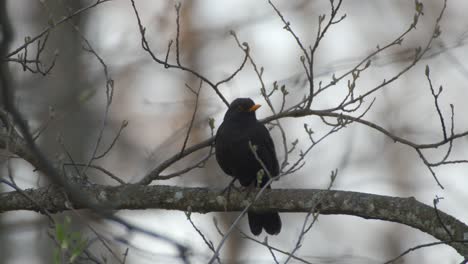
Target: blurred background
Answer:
pixel 71 100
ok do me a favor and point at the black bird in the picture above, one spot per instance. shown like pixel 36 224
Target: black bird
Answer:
pixel 235 157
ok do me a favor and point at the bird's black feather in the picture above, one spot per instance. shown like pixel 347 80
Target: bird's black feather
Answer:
pixel 234 155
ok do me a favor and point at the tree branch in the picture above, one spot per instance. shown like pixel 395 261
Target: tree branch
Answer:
pixel 406 211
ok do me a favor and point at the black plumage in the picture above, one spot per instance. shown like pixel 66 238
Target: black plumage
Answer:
pixel 234 155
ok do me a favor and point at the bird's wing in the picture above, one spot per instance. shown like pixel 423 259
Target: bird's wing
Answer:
pixel 223 153
pixel 266 150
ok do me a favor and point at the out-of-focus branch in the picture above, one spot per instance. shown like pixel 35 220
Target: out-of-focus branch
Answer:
pixel 71 191
pixel 52 25
pixel 8 97
pixel 406 211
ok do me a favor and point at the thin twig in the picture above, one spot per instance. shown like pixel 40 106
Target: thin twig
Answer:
pixel 208 243
pixel 436 101
pixel 192 120
pixel 146 47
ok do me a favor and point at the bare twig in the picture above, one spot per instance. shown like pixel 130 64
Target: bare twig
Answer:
pixel 99 168
pixel 436 101
pixel 409 250
pixel 192 120
pixel 314 212
pixel 208 243
pixel 272 248
pixel 178 65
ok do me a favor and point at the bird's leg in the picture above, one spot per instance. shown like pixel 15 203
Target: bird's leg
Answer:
pixel 251 187
pixel 228 190
pixel 230 185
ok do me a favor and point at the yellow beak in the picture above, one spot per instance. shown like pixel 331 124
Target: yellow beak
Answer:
pixel 254 108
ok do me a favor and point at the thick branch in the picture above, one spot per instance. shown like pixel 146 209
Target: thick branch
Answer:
pixel 406 211
pixel 15 145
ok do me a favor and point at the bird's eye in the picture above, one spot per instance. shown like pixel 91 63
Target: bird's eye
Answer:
pixel 240 108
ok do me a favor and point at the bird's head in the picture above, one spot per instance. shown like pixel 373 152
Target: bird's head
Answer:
pixel 242 109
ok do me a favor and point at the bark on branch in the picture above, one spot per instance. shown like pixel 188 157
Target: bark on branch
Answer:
pixel 406 211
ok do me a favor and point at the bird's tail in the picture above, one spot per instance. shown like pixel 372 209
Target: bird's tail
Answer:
pixel 271 222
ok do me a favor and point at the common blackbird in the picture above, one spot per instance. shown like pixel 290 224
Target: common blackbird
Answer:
pixel 235 156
